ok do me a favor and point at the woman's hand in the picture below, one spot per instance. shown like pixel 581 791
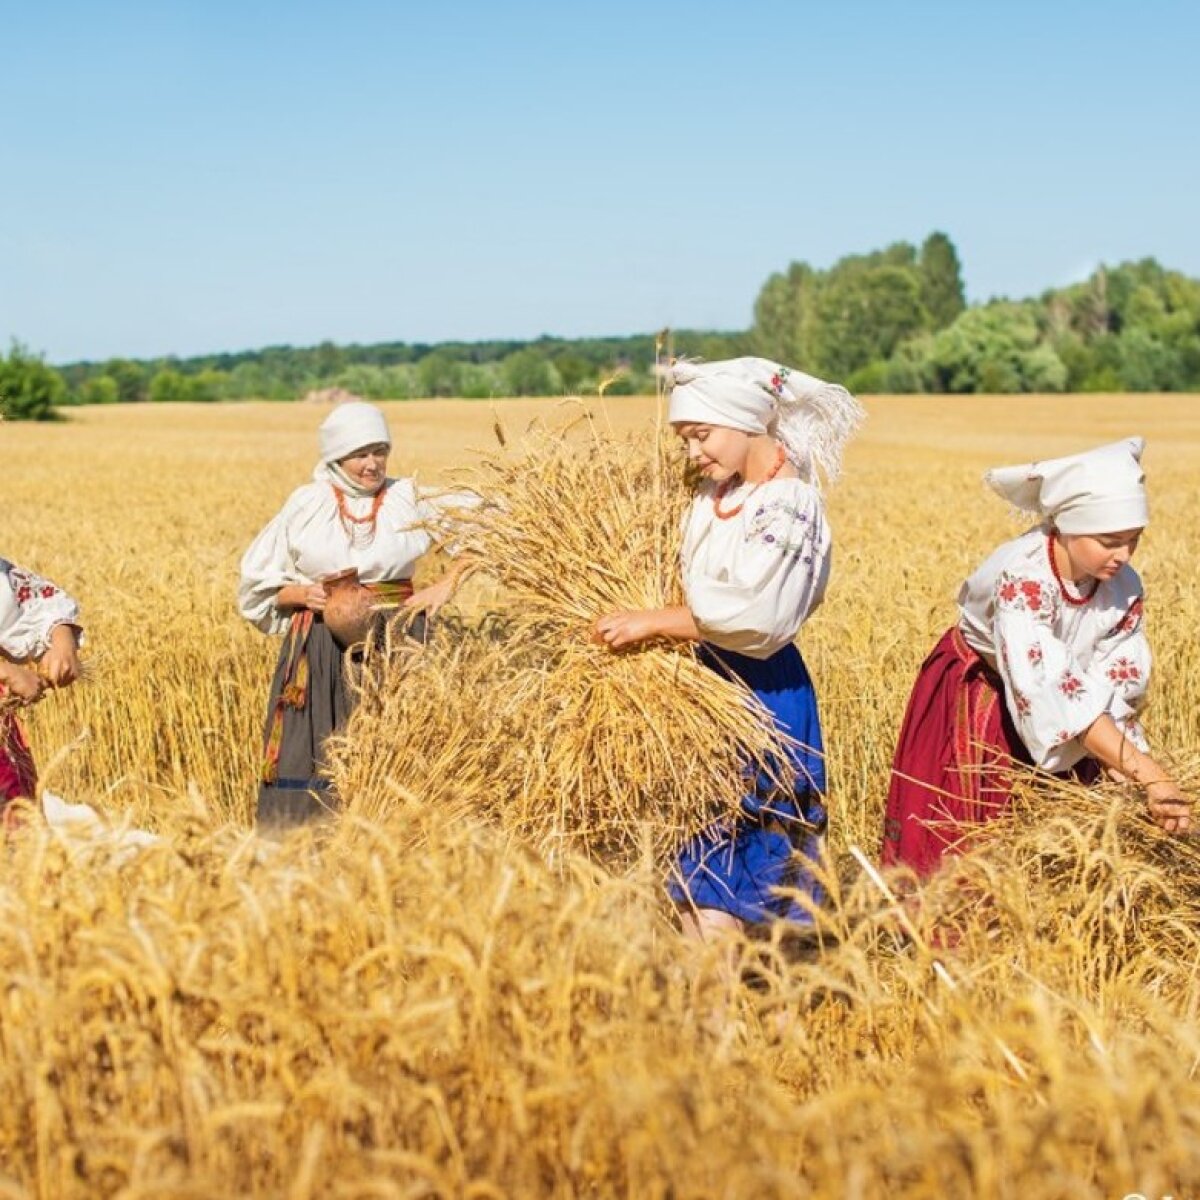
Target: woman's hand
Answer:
pixel 21 682
pixel 302 595
pixel 630 627
pixel 315 597
pixel 60 663
pixel 617 630
pixel 430 599
pixel 1169 807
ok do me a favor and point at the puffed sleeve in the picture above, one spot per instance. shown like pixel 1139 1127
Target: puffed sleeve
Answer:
pixel 267 566
pixel 1050 697
pixel 30 608
pixel 775 578
pixel 1123 661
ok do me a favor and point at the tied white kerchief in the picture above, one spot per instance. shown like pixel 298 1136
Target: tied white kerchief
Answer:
pixel 1098 491
pixel 812 419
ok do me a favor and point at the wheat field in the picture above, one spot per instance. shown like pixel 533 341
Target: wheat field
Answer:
pixel 410 1005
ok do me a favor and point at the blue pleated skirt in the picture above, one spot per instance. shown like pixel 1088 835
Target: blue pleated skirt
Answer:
pixel 740 868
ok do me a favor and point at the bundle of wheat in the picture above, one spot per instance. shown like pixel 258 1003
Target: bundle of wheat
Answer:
pixel 1090 867
pixel 558 739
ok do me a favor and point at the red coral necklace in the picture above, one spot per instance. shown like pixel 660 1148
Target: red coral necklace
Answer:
pixel 1076 601
pixel 348 518
pixel 723 490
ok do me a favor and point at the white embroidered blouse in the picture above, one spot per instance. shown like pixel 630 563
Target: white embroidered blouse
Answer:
pixel 1063 664
pixel 30 608
pixel 753 579
pixel 307 542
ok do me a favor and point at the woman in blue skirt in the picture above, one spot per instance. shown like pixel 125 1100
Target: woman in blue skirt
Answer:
pixel 755 563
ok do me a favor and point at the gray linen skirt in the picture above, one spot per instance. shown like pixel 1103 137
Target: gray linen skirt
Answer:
pixel 301 790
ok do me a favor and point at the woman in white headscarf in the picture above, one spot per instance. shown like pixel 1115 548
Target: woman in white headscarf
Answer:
pixel 351 524
pixel 39 641
pixel 755 562
pixel 1046 666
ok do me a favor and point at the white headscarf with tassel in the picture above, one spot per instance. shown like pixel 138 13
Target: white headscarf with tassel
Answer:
pixel 812 419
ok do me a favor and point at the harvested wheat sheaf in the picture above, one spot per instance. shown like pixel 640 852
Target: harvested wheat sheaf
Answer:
pixel 525 718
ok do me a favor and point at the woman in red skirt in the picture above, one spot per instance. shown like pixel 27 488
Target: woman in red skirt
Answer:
pixel 1046 666
pixel 39 638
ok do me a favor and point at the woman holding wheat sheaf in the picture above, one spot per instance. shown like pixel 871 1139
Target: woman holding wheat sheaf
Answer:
pixel 39 640
pixel 755 562
pixel 341 550
pixel 1046 666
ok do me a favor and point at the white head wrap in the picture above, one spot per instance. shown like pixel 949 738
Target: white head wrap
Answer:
pixel 1099 491
pixel 811 418
pixel 351 426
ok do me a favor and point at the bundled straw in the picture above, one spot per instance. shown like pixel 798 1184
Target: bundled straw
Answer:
pixel 556 738
pixel 1074 866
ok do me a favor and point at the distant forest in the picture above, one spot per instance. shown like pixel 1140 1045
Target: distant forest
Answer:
pixel 891 321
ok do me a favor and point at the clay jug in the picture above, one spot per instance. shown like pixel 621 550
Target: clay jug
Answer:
pixel 350 609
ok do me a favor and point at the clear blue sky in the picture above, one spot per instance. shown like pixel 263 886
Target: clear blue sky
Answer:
pixel 188 177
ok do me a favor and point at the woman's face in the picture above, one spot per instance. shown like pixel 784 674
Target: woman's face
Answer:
pixel 367 466
pixel 1100 555
pixel 717 453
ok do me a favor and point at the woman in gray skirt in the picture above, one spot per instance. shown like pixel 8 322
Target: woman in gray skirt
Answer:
pixel 353 525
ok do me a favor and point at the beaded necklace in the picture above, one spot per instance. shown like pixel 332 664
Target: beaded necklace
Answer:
pixel 1075 601
pixel 350 521
pixel 723 490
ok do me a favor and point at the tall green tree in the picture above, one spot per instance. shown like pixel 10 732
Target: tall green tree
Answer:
pixel 527 373
pixel 100 389
pixel 864 313
pixel 131 378
pixel 439 375
pixel 996 348
pixel 941 281
pixel 29 389
pixel 857 312
pixel 170 386
pixel 785 313
pixel 1149 363
pixel 572 370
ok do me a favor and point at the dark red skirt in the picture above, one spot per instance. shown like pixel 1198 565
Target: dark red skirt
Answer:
pixel 18 775
pixel 953 766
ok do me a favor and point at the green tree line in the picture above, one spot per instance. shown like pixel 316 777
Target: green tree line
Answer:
pixel 892 320
pixel 896 321
pixel 389 371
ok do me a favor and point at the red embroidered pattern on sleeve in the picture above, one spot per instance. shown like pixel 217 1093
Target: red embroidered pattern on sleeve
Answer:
pixel 26 586
pixel 1132 618
pixel 1124 670
pixel 1071 686
pixel 1023 595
